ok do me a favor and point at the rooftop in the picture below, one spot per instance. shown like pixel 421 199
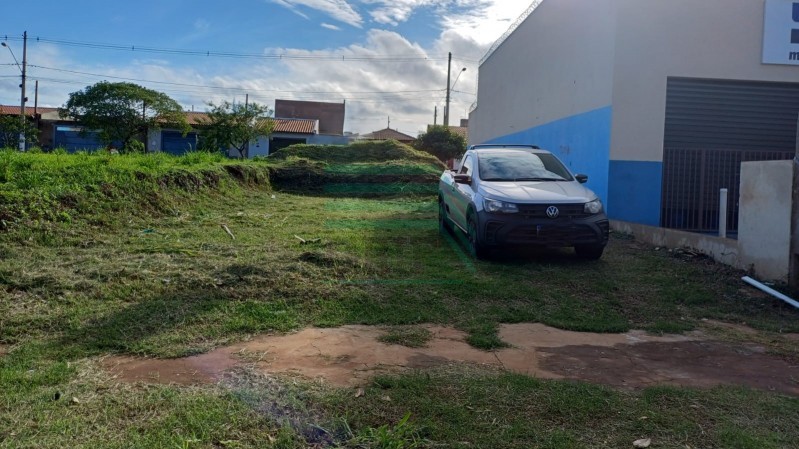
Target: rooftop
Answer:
pixel 388 134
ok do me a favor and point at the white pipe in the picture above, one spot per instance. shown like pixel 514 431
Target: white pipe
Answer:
pixel 723 214
pixel 770 291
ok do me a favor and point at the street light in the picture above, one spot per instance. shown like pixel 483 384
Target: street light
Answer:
pixel 22 68
pixel 449 95
pixel 457 78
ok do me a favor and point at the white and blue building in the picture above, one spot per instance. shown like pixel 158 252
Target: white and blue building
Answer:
pixel 658 101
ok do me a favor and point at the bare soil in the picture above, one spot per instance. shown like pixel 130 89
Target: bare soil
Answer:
pixel 351 355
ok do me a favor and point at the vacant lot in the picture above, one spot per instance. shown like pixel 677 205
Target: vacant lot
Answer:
pixel 210 265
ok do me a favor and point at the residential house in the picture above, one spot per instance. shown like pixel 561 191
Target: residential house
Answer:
pixel 389 134
pixel 55 132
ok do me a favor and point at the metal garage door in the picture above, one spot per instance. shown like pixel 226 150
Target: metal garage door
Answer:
pixel 711 127
pixel 74 139
pixel 174 142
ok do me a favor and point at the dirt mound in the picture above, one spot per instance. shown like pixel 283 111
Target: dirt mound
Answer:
pixel 357 152
pixel 351 355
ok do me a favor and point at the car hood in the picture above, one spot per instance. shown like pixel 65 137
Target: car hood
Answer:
pixel 537 192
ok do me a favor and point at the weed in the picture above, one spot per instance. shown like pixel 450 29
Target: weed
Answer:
pixel 410 336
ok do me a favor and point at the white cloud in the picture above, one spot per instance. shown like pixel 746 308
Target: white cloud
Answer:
pixel 392 12
pixel 407 91
pixel 330 27
pixel 484 20
pixel 339 10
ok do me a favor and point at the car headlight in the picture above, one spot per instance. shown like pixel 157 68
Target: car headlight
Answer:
pixel 594 207
pixel 501 207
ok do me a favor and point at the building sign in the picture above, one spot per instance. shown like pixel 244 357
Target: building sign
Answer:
pixel 781 32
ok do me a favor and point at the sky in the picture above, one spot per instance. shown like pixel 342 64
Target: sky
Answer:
pixel 385 58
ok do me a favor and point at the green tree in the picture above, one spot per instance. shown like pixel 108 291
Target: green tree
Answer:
pixel 236 125
pixel 441 142
pixel 123 112
pixel 10 128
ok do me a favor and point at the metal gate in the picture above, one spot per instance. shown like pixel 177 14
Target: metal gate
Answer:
pixel 711 127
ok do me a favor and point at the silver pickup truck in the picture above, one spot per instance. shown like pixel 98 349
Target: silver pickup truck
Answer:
pixel 520 195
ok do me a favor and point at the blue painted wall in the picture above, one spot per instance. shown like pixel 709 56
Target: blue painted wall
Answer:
pixel 581 141
pixel 635 191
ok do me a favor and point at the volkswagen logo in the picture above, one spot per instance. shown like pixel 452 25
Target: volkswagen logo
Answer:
pixel 553 212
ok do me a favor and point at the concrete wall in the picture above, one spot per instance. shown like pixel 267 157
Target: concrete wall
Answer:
pixel 261 148
pixel 557 64
pixel 550 84
pixel 721 250
pixel 765 218
pixel 656 39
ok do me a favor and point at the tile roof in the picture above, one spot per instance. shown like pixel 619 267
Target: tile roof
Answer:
pixel 462 130
pixel 196 118
pixel 388 134
pixel 14 110
pixel 295 126
pixel 282 125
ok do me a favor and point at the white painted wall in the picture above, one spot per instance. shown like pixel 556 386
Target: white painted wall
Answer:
pixel 558 63
pixel 154 140
pixel 765 216
pixel 655 39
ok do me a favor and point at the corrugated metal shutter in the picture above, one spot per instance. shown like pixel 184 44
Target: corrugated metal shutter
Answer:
pixel 72 140
pixel 711 127
pixel 713 114
pixel 174 142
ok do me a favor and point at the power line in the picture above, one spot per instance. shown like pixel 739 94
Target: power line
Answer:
pixel 242 89
pixel 230 54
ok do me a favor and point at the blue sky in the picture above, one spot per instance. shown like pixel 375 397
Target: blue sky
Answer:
pixel 333 50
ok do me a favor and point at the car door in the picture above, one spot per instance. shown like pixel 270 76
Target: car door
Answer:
pixel 462 193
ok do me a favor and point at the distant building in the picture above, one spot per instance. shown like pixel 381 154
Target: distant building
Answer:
pixel 329 115
pixel 55 132
pixel 389 134
pixel 462 130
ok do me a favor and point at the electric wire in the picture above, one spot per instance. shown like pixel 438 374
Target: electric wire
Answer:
pixel 231 54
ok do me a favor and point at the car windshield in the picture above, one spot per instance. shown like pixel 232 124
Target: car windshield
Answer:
pixel 522 166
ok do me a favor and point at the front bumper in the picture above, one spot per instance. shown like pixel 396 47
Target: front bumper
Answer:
pixel 516 229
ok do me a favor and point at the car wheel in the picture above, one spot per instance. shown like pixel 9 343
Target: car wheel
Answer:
pixel 444 224
pixel 476 247
pixel 589 252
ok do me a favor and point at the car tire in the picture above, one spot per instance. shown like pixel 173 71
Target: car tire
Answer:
pixel 476 247
pixel 444 223
pixel 589 252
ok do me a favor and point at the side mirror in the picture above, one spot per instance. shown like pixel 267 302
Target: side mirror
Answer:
pixel 463 179
pixel 582 179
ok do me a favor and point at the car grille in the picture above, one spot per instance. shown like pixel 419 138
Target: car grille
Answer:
pixel 567 211
pixel 570 234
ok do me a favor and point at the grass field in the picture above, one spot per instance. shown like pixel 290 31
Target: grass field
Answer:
pixel 166 280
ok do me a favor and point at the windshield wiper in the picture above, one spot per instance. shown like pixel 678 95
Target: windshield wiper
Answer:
pixel 539 179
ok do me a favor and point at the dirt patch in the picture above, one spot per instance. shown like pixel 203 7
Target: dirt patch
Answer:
pixel 689 363
pixel 350 355
pixel 3 350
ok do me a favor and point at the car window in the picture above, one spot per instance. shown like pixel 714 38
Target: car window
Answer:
pixel 467 167
pixel 522 166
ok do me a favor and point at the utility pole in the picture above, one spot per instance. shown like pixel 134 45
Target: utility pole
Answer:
pixel 22 86
pixel 246 154
pixel 435 116
pixel 36 107
pixel 449 75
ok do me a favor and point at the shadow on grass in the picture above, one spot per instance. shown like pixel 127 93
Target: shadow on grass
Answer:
pixel 188 320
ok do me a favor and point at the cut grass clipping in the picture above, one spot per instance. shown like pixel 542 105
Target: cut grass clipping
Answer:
pixel 127 255
pixel 410 336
